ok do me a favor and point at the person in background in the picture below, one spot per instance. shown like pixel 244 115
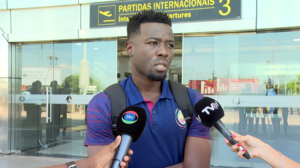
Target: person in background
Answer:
pixel 258 149
pixel 275 118
pixel 285 113
pixel 242 119
pixel 52 128
pixel 31 123
pixel 66 90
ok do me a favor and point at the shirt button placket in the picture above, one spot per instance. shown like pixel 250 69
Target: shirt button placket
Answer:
pixel 154 111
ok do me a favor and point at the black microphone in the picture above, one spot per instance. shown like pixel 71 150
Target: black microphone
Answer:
pixel 209 112
pixel 130 125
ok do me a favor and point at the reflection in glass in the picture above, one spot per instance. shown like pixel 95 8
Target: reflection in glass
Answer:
pixel 60 79
pixel 262 72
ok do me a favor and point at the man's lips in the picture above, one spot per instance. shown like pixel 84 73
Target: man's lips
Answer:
pixel 161 66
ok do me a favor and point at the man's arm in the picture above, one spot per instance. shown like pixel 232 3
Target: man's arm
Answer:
pixel 93 149
pixel 197 153
pixel 197 150
pixel 99 130
pixel 100 157
pixel 179 165
pixel 85 163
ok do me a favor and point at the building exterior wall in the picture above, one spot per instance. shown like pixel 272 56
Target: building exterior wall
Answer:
pixel 3 4
pixel 277 14
pixel 57 20
pixel 5 21
pixel 5 98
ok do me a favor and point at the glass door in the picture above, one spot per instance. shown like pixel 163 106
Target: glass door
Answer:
pixel 83 69
pixel 33 119
pixel 58 81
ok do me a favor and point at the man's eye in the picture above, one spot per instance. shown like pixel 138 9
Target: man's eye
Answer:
pixel 153 43
pixel 171 45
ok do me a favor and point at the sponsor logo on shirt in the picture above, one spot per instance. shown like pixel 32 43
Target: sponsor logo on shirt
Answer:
pixel 130 117
pixel 179 118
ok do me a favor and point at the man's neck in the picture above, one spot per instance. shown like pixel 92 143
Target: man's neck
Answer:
pixel 150 90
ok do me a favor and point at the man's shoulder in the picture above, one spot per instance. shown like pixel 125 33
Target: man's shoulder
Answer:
pixel 99 105
pixel 124 82
pixel 193 91
pixel 195 95
pixel 100 98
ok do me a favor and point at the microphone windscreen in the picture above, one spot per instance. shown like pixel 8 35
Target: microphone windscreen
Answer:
pixel 208 111
pixel 132 121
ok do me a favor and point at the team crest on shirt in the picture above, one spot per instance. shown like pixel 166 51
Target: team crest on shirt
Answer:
pixel 179 118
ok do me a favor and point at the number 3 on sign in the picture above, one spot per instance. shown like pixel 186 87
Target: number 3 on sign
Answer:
pixel 226 6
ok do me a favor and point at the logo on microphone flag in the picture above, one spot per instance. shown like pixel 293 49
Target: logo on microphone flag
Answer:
pixel 212 107
pixel 130 117
pixel 179 118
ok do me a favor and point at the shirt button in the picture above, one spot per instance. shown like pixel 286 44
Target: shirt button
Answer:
pixel 154 112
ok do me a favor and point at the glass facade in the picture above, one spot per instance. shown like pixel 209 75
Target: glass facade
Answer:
pixel 255 77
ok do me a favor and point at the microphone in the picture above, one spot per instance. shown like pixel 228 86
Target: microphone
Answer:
pixel 130 125
pixel 209 112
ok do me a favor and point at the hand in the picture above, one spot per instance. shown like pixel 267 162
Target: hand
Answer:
pixel 253 145
pixel 104 158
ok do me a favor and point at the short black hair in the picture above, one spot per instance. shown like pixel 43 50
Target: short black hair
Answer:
pixel 146 16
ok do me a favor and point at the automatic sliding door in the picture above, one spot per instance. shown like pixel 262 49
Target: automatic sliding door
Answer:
pixel 58 81
pixel 82 69
pixel 34 115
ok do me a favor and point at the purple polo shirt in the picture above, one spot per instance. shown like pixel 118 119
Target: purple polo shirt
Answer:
pixel 162 143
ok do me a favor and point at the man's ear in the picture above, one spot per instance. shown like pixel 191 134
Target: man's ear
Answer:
pixel 128 46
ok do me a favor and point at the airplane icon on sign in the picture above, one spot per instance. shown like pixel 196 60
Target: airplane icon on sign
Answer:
pixel 107 13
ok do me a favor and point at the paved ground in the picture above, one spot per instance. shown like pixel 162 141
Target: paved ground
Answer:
pixel 17 161
pixel 20 161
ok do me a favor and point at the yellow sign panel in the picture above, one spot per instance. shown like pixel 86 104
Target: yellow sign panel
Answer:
pixel 107 15
pixel 118 13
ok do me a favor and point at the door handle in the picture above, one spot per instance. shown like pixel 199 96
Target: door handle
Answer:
pixel 50 104
pixel 47 101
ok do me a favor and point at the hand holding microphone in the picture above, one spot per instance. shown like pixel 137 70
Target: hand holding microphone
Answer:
pixel 209 112
pixel 130 125
pixel 254 145
pixel 259 149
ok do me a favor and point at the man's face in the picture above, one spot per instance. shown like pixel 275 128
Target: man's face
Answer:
pixel 151 51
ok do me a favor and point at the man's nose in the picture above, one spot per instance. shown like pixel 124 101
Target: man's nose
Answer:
pixel 162 51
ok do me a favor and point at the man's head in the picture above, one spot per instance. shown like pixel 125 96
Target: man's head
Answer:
pixel 146 16
pixel 150 44
pixel 269 84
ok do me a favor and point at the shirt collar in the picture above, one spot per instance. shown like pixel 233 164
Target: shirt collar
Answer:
pixel 135 96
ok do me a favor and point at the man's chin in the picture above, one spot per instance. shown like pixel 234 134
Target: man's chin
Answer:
pixel 157 77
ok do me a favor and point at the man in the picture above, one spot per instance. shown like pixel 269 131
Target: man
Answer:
pixel 166 138
pixel 102 159
pixel 275 118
